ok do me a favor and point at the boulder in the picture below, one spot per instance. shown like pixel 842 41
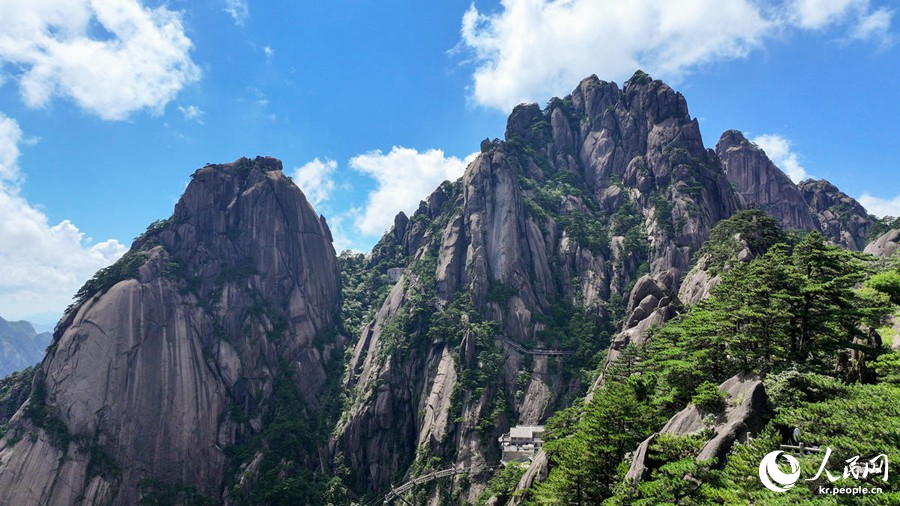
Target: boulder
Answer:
pixel 744 415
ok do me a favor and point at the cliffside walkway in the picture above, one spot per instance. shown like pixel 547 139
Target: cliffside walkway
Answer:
pixel 396 492
pixel 549 352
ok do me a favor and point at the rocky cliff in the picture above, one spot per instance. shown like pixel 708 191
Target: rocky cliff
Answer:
pixel 814 205
pixel 761 184
pixel 840 217
pixel 170 356
pixel 743 416
pixel 537 249
pixel 207 364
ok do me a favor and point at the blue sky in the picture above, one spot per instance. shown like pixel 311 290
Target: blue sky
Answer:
pixel 107 106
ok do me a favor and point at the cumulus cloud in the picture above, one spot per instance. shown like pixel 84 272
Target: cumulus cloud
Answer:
pixel 111 57
pixel 238 10
pixel 881 207
pixel 778 149
pixel 537 48
pixel 10 137
pixel 315 179
pixel 403 178
pixel 531 50
pixel 41 264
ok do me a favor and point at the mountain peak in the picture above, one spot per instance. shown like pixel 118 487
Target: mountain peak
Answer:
pixel 178 347
pixel 639 77
pixel 841 218
pixel 760 183
pixel 263 163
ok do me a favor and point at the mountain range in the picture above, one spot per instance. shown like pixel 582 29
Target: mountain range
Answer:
pixel 233 357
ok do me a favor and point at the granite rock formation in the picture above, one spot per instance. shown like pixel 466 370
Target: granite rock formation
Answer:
pixel 744 416
pixel 563 217
pixel 169 355
pixel 840 218
pixel 761 184
pixel 885 246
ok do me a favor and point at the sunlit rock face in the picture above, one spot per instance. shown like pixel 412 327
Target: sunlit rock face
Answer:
pixel 761 184
pixel 167 355
pixel 578 202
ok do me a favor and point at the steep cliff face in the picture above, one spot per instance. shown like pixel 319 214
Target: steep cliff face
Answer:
pixel 169 356
pixel 840 218
pixel 761 183
pixel 535 251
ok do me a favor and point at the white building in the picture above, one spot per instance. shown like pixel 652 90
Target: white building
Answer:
pixel 394 273
pixel 521 443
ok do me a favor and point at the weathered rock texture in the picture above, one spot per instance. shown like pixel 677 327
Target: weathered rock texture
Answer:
pixel 761 183
pixel 841 218
pixel 649 305
pixel 579 201
pixel 885 246
pixel 152 370
pixel 744 415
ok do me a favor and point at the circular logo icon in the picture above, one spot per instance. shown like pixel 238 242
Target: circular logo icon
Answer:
pixel 769 472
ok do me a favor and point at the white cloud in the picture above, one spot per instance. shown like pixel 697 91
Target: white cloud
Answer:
pixel 238 10
pixel 41 265
pixel 876 25
pixel 192 113
pixel 403 178
pixel 111 57
pixel 344 239
pixel 315 179
pixel 816 14
pixel 864 22
pixel 881 207
pixel 534 49
pixel 531 50
pixel 10 137
pixel 778 149
pixel 269 52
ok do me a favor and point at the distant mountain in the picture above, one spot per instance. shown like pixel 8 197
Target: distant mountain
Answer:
pixel 20 346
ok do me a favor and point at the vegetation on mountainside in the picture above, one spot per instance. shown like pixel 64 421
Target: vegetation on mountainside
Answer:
pixel 881 226
pixel 365 283
pixel 503 484
pixel 753 227
pixel 285 452
pixel 802 317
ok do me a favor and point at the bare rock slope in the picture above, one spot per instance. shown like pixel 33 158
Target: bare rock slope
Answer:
pixel 840 217
pixel 886 245
pixel 761 183
pixel 168 355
